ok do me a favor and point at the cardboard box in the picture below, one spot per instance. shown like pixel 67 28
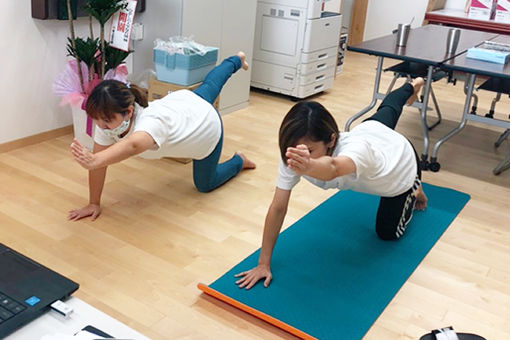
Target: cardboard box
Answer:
pixel 159 89
pixel 482 9
pixel 502 11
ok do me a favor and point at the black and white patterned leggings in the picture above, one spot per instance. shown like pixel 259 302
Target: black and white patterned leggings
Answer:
pixel 394 213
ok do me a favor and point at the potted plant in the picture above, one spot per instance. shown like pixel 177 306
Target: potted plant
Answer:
pixel 93 59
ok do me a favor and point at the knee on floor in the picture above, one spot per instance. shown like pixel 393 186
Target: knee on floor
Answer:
pixel 386 235
pixel 203 187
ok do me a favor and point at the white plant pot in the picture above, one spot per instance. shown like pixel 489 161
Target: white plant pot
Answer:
pixel 80 128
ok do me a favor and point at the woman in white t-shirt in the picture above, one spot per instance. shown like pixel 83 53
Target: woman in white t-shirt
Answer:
pixel 182 124
pixel 372 158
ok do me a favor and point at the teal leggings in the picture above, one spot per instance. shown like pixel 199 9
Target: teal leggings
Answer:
pixel 207 173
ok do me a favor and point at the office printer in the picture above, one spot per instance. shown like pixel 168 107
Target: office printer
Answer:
pixel 295 47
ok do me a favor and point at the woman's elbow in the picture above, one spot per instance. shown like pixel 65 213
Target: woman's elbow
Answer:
pixel 136 147
pixel 343 166
pixel 278 209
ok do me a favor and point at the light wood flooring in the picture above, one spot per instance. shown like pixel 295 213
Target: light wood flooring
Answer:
pixel 158 237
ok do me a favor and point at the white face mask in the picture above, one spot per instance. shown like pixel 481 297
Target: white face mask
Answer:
pixel 119 130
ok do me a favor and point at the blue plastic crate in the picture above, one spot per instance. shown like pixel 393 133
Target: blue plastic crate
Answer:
pixel 184 69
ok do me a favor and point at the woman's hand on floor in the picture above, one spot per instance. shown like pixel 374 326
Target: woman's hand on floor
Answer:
pixel 93 210
pixel 251 277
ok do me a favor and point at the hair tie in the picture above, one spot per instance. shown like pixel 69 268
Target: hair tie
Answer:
pixel 128 85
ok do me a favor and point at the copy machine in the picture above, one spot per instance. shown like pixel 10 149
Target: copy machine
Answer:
pixel 295 47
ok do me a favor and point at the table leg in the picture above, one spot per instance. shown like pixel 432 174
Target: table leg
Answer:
pixel 434 165
pixel 423 115
pixel 375 95
pixel 502 166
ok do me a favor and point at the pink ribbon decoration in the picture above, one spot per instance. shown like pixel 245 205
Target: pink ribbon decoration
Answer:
pixel 67 85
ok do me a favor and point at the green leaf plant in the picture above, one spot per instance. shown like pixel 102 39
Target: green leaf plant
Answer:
pixel 102 11
pixel 97 54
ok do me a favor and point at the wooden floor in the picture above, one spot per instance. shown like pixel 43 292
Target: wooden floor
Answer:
pixel 158 237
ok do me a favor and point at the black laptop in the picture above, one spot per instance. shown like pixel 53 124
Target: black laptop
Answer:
pixel 27 289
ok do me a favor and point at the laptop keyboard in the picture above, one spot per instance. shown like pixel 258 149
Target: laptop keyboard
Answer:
pixel 9 307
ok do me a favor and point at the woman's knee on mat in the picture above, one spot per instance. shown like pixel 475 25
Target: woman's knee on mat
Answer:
pixel 386 232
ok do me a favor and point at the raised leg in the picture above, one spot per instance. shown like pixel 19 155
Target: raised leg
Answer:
pixel 218 76
pixel 390 109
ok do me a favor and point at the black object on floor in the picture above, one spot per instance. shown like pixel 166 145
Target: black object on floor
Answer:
pixel 448 333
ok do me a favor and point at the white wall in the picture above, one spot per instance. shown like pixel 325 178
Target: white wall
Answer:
pixel 230 26
pixel 32 55
pixel 384 16
pixel 161 19
pixel 347 13
pixel 332 5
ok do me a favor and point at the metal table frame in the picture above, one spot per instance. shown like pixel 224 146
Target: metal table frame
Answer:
pixel 432 57
pixel 422 107
pixel 472 68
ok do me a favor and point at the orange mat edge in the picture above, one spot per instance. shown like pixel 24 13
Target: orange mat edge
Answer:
pixel 258 314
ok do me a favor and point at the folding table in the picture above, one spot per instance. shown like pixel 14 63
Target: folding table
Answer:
pixel 473 68
pixel 425 45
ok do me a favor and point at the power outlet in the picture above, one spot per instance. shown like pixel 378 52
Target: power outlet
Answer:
pixel 137 31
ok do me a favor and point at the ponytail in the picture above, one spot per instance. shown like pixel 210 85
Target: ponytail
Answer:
pixel 140 94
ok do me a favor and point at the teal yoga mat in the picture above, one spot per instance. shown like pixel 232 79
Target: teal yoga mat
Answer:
pixel 332 275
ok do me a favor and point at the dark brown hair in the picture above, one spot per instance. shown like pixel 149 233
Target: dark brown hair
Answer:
pixel 112 96
pixel 310 120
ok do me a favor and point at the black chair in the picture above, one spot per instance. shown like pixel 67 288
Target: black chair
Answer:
pixel 500 86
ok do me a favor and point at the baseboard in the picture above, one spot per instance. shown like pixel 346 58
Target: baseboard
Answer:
pixel 233 108
pixel 41 137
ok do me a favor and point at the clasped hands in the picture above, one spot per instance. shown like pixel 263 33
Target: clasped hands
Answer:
pixel 298 159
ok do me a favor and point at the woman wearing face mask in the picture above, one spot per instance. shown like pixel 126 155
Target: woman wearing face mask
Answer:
pixel 372 158
pixel 182 124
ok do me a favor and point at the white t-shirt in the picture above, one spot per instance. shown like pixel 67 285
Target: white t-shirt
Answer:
pixel 385 162
pixel 182 124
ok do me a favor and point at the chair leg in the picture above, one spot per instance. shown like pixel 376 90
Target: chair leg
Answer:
pixel 493 106
pixel 475 104
pixel 436 105
pixel 475 100
pixel 392 84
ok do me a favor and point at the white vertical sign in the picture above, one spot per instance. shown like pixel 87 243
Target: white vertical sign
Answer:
pixel 122 24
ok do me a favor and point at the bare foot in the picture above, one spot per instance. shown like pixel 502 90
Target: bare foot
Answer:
pixel 417 83
pixel 421 199
pixel 247 164
pixel 242 56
